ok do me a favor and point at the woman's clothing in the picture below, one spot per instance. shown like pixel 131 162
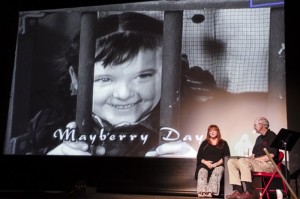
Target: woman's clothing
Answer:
pixel 209 179
pixel 213 184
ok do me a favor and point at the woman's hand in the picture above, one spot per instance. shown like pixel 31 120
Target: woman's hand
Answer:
pixel 209 164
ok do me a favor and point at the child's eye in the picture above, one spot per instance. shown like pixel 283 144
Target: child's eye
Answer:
pixel 145 75
pixel 103 80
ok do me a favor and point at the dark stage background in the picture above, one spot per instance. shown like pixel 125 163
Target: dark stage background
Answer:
pixel 127 175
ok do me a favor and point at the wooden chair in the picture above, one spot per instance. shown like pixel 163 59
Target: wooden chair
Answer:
pixel 267 178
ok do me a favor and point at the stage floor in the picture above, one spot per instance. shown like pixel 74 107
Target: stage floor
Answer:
pixel 88 193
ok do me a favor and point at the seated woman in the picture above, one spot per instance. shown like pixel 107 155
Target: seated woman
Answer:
pixel 210 163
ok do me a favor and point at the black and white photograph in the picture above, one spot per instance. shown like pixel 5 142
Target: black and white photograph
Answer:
pixel 110 83
pixel 149 97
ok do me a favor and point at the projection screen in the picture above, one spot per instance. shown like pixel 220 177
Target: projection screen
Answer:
pixel 212 65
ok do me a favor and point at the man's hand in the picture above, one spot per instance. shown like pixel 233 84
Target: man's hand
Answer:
pixel 173 149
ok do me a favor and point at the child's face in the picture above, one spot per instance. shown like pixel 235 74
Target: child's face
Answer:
pixel 127 92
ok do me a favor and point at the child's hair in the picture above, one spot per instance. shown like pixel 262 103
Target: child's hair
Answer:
pixel 119 38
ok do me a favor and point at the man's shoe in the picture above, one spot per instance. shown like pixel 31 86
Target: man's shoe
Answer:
pixel 234 195
pixel 245 195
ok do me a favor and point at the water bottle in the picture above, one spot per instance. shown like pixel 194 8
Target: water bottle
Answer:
pixel 279 194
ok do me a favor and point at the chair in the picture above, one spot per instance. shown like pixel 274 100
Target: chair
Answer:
pixel 267 178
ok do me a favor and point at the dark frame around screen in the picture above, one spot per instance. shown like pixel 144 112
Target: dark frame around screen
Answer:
pixel 115 171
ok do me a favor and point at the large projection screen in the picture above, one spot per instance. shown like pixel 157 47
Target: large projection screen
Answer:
pixel 221 64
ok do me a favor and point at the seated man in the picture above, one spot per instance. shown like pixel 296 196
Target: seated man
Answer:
pixel 240 168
